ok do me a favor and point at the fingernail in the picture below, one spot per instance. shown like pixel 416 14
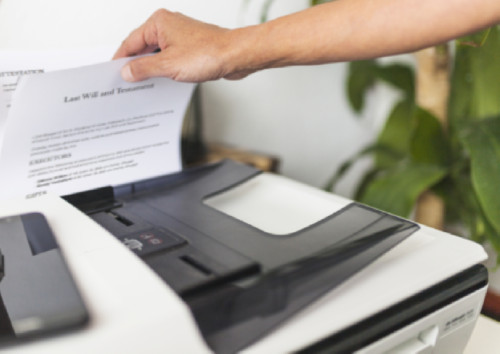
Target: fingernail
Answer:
pixel 127 73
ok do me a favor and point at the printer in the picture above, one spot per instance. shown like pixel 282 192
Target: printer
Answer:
pixel 225 258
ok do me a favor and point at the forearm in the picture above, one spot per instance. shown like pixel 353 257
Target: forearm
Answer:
pixel 342 30
pixel 346 30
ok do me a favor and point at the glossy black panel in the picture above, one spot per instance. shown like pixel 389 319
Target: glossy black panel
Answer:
pixel 38 295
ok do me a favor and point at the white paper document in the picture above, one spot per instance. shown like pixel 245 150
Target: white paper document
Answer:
pixel 15 64
pixel 74 130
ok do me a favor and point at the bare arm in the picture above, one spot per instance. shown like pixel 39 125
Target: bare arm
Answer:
pixel 337 31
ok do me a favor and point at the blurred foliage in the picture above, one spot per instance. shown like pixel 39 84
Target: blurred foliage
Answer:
pixel 414 153
pixel 462 165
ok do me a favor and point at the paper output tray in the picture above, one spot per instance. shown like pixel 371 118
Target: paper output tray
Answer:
pixel 239 281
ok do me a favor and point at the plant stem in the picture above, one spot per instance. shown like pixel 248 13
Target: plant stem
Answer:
pixel 433 88
pixel 433 80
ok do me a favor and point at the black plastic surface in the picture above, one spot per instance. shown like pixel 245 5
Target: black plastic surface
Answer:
pixel 37 293
pixel 237 315
pixel 239 281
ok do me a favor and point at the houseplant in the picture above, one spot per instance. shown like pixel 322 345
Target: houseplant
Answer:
pixel 451 152
pixel 457 158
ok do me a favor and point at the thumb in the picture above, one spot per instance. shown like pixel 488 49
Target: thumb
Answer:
pixel 142 69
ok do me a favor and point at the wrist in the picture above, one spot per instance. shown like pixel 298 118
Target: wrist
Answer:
pixel 273 44
pixel 247 50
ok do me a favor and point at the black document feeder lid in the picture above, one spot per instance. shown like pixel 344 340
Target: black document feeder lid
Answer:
pixel 238 280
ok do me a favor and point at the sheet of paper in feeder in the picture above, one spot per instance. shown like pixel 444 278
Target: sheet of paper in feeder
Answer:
pixel 78 129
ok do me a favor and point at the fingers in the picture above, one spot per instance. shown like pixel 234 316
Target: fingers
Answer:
pixel 143 39
pixel 191 51
pixel 144 68
pixel 136 44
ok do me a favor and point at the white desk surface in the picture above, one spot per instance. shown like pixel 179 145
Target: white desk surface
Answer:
pixel 484 339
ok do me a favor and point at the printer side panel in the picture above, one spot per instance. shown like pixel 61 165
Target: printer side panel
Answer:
pixel 445 331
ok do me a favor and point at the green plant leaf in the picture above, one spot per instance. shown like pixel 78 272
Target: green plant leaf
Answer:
pixel 461 90
pixel 475 82
pixel 318 2
pixel 396 133
pixel 264 13
pixel 397 190
pixel 366 181
pixel 482 141
pixel 399 76
pixel 364 73
pixel 429 144
pixel 371 149
pixel 461 199
pixel 360 79
pixel 476 39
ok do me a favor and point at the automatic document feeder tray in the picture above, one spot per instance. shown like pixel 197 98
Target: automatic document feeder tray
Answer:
pixel 241 279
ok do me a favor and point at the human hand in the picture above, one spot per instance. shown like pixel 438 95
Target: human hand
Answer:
pixel 190 50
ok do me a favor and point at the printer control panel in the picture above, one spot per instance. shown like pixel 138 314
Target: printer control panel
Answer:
pixel 150 241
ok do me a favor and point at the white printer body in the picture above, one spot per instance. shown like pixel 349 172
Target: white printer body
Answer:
pixel 425 293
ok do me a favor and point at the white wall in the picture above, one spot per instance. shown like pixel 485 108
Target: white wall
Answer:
pixel 299 114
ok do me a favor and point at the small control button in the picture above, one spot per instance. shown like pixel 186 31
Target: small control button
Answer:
pixel 151 240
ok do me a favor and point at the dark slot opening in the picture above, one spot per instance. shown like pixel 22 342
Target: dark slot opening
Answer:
pixel 197 265
pixel 121 219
